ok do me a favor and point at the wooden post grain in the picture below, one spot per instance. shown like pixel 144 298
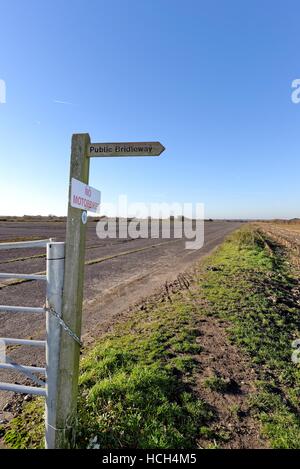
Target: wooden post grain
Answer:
pixel 72 302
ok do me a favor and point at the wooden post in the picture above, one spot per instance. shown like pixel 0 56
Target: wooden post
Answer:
pixel 72 302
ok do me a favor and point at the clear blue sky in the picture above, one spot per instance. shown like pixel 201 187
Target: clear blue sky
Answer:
pixel 210 79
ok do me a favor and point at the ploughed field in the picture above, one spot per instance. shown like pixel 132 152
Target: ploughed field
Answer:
pixel 286 234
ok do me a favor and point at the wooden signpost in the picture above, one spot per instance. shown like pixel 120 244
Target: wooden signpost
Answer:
pixel 125 149
pixel 82 150
pixel 72 301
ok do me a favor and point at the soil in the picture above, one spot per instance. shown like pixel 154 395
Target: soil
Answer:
pixel 222 359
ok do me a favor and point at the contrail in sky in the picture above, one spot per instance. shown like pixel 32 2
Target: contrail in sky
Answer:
pixel 57 101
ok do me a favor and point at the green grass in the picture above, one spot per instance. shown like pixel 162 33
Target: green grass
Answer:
pixel 27 430
pixel 252 285
pixel 136 385
pixel 217 383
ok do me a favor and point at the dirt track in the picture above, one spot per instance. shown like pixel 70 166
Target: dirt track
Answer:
pixel 134 270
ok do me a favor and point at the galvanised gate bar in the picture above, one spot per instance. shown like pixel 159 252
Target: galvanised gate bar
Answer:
pixel 54 279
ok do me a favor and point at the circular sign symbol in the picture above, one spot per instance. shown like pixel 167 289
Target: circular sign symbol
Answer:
pixel 84 217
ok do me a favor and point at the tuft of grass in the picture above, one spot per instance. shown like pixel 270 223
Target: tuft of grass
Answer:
pixel 217 383
pixel 280 424
pixel 27 429
pixel 246 238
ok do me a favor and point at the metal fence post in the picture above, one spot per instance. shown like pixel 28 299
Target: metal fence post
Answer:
pixel 55 280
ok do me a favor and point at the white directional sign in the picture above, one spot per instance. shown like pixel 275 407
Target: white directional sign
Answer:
pixel 84 197
pixel 125 149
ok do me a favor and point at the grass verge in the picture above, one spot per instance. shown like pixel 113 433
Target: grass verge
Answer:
pixel 251 283
pixel 135 386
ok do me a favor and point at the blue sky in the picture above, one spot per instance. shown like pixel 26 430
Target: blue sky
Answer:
pixel 210 79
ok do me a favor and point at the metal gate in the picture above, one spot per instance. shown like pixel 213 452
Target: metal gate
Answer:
pixel 54 279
